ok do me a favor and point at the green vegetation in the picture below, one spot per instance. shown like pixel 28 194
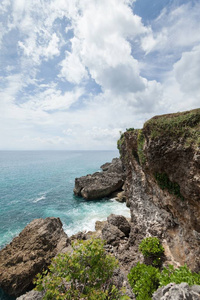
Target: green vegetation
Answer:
pixel 144 280
pixel 86 273
pixel 152 249
pixel 181 274
pixel 140 145
pixel 130 129
pixel 120 142
pixel 165 183
pixel 185 125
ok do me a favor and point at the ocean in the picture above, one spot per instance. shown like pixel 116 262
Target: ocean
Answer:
pixel 39 184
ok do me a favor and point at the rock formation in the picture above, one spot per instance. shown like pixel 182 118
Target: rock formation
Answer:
pixel 101 184
pixel 162 163
pixel 32 295
pixel 120 222
pixel 174 291
pixel 30 253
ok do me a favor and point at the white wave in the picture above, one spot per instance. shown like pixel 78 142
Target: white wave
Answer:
pixel 86 217
pixel 40 198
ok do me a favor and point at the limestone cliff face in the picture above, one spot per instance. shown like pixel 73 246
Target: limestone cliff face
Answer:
pixel 162 163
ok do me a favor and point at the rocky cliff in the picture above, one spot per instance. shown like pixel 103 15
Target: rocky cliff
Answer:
pixel 162 163
pixel 30 253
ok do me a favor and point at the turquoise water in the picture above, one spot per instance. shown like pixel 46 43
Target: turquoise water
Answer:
pixel 39 184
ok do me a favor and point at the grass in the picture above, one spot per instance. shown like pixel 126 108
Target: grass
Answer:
pixel 185 125
pixel 140 145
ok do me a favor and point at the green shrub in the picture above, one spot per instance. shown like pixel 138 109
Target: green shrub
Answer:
pixel 181 274
pixel 144 280
pixel 85 273
pixel 165 183
pixel 130 129
pixel 140 145
pixel 152 248
pixel 120 141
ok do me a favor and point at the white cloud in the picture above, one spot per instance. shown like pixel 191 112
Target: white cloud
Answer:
pixel 52 99
pixel 187 71
pixel 72 69
pixel 100 45
pixel 50 112
pixel 175 28
pixel 181 87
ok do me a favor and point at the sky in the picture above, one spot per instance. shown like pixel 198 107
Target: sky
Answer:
pixel 75 73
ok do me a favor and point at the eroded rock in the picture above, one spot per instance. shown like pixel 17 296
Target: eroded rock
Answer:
pixel 112 234
pixel 30 253
pixel 101 184
pixel 174 291
pixel 120 222
pixel 32 295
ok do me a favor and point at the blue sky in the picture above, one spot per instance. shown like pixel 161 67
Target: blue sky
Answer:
pixel 73 74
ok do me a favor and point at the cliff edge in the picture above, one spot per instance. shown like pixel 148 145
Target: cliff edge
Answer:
pixel 162 164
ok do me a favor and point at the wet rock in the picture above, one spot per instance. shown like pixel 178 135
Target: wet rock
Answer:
pixel 30 253
pixel 120 222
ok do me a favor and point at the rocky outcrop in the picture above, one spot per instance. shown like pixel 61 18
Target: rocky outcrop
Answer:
pixel 32 295
pixel 174 291
pixel 30 253
pixel 120 222
pixel 112 235
pixel 101 184
pixel 162 163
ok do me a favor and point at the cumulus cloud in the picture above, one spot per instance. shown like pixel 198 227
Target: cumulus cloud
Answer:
pixel 100 45
pixel 84 70
pixel 52 99
pixel 72 69
pixel 175 28
pixel 187 71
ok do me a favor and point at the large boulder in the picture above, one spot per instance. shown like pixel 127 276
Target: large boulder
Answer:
pixel 30 253
pixel 112 234
pixel 174 291
pixel 101 184
pixel 120 222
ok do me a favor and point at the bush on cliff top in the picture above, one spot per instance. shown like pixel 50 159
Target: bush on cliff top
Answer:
pixel 86 273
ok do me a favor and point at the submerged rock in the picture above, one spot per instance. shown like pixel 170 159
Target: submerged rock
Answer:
pixel 101 184
pixel 30 253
